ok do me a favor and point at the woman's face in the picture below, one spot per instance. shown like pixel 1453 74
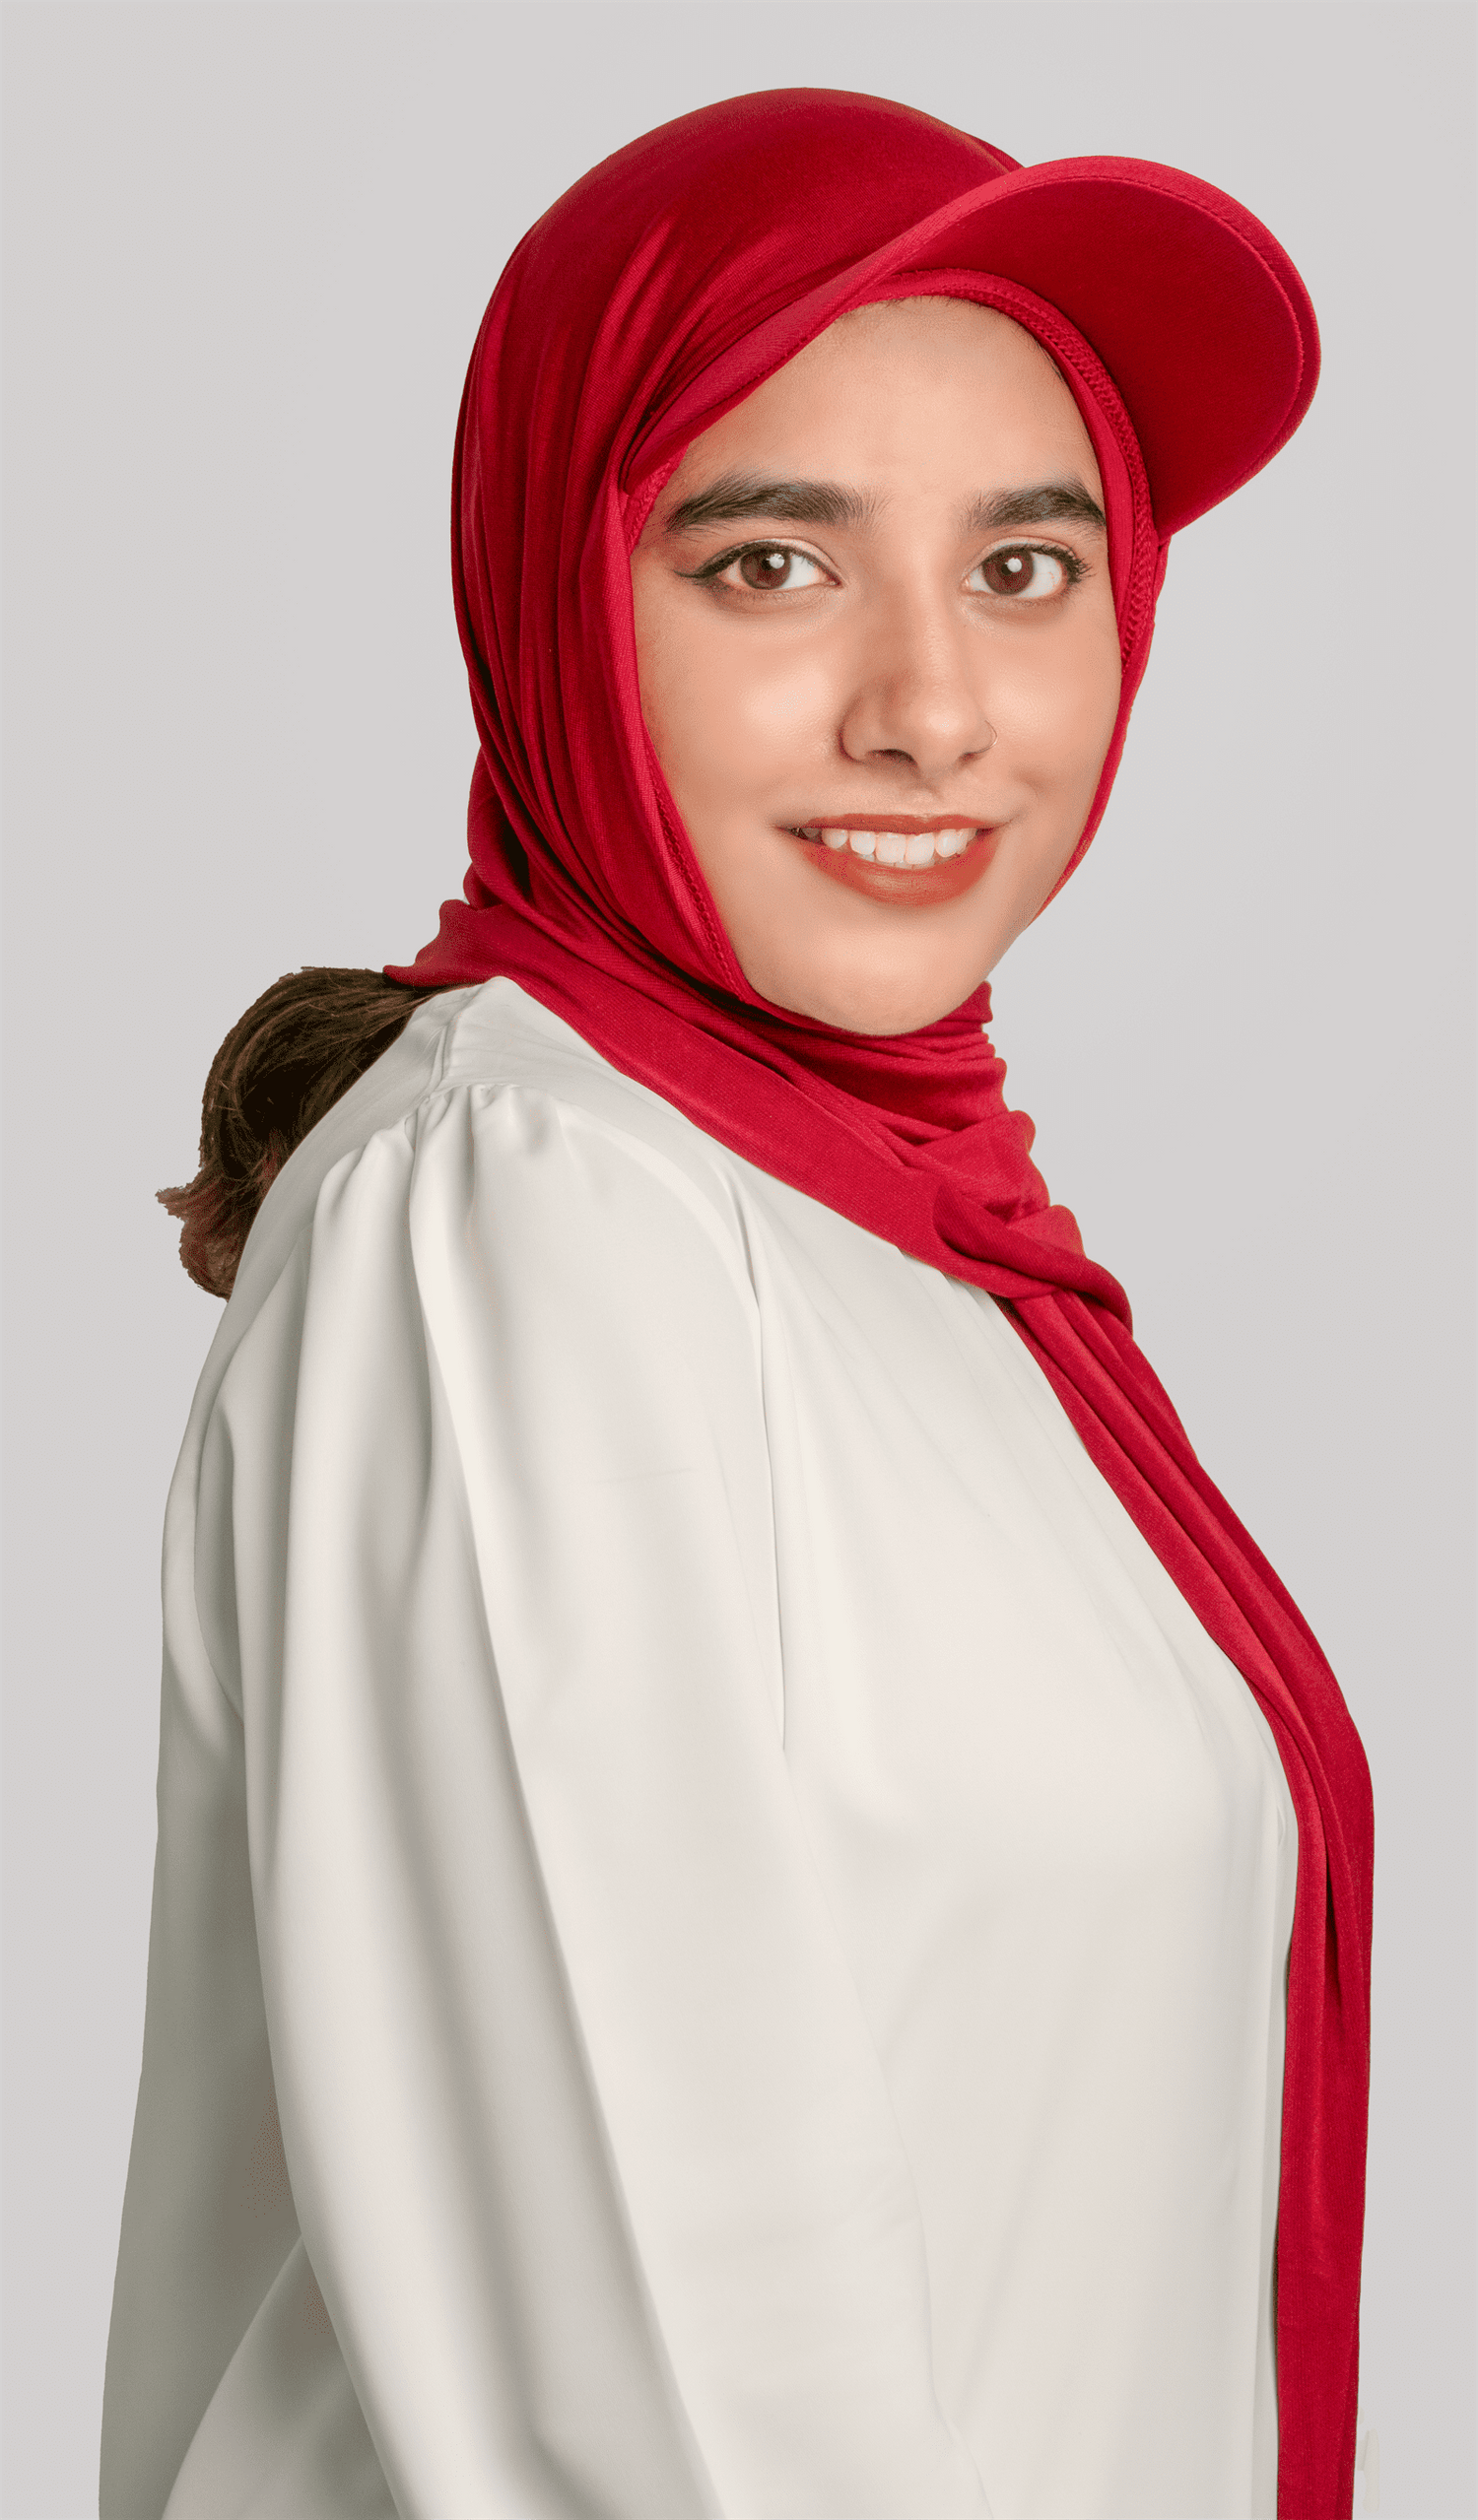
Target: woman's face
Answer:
pixel 874 600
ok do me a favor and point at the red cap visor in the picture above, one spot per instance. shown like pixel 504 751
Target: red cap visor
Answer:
pixel 1192 305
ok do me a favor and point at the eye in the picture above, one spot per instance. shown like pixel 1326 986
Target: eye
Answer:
pixel 1024 570
pixel 767 567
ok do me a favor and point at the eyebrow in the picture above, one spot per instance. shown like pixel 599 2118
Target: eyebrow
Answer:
pixel 736 495
pixel 1047 503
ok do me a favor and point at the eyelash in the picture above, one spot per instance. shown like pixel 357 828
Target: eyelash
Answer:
pixel 1071 566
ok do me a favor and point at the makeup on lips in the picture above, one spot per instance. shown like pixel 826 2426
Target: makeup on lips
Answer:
pixel 901 857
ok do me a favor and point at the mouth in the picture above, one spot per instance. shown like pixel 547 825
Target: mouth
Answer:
pixel 901 857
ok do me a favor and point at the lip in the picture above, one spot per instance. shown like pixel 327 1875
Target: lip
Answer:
pixel 917 887
pixel 865 822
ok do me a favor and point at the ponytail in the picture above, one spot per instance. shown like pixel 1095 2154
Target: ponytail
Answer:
pixel 303 1043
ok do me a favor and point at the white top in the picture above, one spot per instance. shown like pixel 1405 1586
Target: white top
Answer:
pixel 760 1913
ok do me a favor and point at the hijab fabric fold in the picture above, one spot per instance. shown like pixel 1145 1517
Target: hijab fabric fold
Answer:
pixel 659 292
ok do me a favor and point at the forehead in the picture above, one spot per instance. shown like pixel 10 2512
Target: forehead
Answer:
pixel 902 392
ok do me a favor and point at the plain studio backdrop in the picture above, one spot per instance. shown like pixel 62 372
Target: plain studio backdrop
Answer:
pixel 246 251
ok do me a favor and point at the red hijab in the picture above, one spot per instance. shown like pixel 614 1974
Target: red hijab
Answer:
pixel 659 292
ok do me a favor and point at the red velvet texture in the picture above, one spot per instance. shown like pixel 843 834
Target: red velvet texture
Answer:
pixel 657 294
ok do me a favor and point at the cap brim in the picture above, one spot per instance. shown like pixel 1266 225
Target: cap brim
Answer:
pixel 1192 305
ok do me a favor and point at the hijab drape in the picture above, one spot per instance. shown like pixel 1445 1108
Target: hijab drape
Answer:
pixel 653 296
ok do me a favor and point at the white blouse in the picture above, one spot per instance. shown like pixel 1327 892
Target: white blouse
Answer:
pixel 720 1928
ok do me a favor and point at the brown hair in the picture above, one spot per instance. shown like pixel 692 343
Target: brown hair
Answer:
pixel 302 1045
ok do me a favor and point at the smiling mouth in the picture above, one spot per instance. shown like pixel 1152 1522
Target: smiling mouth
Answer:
pixel 901 858
pixel 886 845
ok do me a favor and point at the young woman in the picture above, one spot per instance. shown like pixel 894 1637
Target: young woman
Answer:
pixel 762 1904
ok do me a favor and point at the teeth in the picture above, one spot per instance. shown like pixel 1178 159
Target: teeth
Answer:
pixel 893 849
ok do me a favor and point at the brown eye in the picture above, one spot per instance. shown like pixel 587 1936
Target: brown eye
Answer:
pixel 773 568
pixel 1020 571
pixel 765 568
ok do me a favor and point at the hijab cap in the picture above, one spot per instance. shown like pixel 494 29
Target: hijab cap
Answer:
pixel 659 292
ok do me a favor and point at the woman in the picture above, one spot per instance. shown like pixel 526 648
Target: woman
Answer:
pixel 736 1812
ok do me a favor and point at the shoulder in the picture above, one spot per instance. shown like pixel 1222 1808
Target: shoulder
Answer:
pixel 531 1075
pixel 491 1165
pixel 496 1253
pixel 493 1212
pixel 534 1113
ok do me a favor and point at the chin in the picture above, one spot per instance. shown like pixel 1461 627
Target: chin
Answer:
pixel 879 1008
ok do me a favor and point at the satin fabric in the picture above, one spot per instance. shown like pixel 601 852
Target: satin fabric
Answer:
pixel 657 294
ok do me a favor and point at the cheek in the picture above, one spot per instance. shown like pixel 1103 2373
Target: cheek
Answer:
pixel 728 716
pixel 751 698
pixel 1059 717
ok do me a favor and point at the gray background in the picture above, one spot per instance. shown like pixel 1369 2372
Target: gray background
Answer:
pixel 246 249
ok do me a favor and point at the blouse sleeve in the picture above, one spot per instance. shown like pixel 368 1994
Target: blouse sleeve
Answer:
pixel 590 2147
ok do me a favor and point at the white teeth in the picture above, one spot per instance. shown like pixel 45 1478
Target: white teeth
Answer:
pixel 893 848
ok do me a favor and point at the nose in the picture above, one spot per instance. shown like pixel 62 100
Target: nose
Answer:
pixel 918 695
